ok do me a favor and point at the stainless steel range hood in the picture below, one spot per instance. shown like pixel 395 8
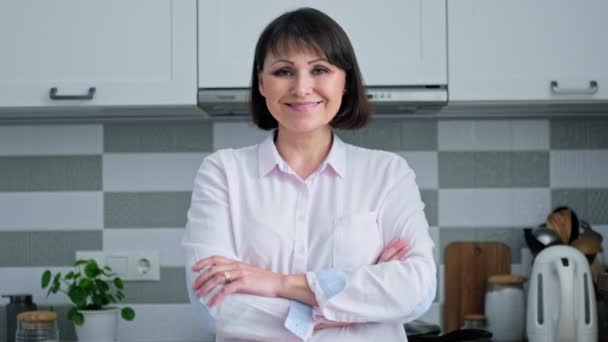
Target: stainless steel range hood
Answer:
pixel 227 103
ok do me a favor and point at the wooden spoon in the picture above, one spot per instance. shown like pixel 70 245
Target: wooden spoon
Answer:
pixel 561 223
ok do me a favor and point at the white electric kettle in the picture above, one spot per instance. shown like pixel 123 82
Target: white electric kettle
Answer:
pixel 561 301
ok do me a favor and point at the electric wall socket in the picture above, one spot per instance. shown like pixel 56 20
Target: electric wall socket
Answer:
pixel 128 265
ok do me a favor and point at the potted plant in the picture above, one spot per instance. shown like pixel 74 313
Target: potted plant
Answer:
pixel 92 290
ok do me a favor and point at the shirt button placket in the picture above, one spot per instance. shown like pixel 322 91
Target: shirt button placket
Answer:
pixel 301 236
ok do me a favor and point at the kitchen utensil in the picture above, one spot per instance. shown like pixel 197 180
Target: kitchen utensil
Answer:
pixel 560 221
pixel 573 222
pixel 546 236
pixel 467 268
pixel 474 321
pixel 602 306
pixel 534 245
pixel 18 303
pixel 37 326
pixel 561 302
pixel 589 245
pixel 505 307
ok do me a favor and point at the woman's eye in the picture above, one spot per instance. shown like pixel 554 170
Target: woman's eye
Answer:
pixel 319 71
pixel 283 72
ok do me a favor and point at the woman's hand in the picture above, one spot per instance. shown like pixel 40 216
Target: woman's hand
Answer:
pixel 239 277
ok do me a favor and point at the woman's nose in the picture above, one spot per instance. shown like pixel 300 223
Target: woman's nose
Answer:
pixel 302 85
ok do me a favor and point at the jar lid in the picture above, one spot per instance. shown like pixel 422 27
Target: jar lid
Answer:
pixel 474 317
pixel 44 316
pixel 506 279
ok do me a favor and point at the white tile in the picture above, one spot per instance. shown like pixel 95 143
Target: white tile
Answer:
pixel 161 323
pixel 424 165
pixel 51 210
pixel 166 240
pixel 579 169
pixel 27 280
pixel 493 135
pixel 150 171
pixel 493 207
pixel 236 134
pixel 50 140
pixel 432 316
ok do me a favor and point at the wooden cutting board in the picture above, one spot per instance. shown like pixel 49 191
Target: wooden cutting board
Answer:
pixel 467 268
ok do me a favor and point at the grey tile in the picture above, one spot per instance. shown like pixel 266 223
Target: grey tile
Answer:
pixel 577 199
pixel 14 249
pixel 456 169
pixel 349 136
pixel 381 135
pixel 492 169
pixel 579 134
pixel 419 135
pixel 529 169
pixel 597 199
pixel 158 137
pixel 58 248
pixel 146 209
pixel 170 289
pixel 50 173
pixel 511 236
pixel 568 134
pixel 430 200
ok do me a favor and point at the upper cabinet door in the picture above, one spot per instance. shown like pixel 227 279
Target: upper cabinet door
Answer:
pixel 97 53
pixel 519 50
pixel 397 42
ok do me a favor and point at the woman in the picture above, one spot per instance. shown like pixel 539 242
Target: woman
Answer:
pixel 303 237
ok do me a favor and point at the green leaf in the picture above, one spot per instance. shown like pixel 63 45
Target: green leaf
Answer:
pixel 102 285
pixel 80 262
pixel 71 313
pixel 118 283
pixel 78 318
pixel 91 269
pixel 127 314
pixel 98 300
pixel 111 298
pixel 46 278
pixel 70 275
pixel 77 295
pixel 86 283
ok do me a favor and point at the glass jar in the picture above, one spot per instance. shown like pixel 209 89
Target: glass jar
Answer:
pixel 505 307
pixel 37 326
pixel 474 321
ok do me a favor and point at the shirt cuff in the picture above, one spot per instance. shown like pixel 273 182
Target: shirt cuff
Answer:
pixel 299 320
pixel 425 304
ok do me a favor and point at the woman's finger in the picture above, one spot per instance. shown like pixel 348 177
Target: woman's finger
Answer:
pixel 212 272
pixel 387 252
pixel 210 261
pixel 225 291
pixel 392 250
pixel 218 279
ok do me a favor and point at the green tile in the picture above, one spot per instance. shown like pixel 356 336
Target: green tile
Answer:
pixel 511 236
pixel 14 249
pixel 429 198
pixel 456 169
pixel 419 135
pixel 381 135
pixel 579 134
pixel 50 173
pixel 589 204
pixel 170 289
pixel 158 137
pixel 529 169
pixel 493 169
pixel 58 248
pixel 146 209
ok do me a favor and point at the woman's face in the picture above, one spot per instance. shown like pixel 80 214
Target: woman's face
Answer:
pixel 303 91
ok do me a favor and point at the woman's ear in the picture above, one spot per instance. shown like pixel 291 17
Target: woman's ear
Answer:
pixel 260 83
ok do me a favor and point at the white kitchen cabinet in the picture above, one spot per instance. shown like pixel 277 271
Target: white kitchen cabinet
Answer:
pixel 397 42
pixel 517 50
pixel 97 53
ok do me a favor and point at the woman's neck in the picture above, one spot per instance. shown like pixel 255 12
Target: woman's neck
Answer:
pixel 304 152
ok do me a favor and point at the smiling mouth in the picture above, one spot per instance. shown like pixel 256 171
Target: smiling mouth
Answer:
pixel 303 106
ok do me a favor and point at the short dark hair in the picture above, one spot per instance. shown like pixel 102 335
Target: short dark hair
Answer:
pixel 309 28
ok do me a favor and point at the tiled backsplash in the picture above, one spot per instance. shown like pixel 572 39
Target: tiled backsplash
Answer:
pixel 127 186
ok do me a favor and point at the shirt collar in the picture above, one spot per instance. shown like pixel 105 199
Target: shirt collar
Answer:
pixel 269 158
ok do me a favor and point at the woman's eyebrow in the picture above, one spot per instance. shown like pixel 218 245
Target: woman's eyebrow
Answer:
pixel 290 62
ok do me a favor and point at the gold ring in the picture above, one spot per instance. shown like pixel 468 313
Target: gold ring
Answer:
pixel 227 277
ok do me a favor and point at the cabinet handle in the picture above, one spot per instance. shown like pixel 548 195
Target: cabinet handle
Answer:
pixel 54 96
pixel 592 89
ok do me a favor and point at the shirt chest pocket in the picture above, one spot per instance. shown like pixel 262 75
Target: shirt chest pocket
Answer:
pixel 357 240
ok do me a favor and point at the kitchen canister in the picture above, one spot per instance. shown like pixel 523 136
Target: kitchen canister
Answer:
pixel 37 326
pixel 18 303
pixel 505 307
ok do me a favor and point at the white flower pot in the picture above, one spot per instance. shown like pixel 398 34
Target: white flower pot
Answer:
pixel 99 326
